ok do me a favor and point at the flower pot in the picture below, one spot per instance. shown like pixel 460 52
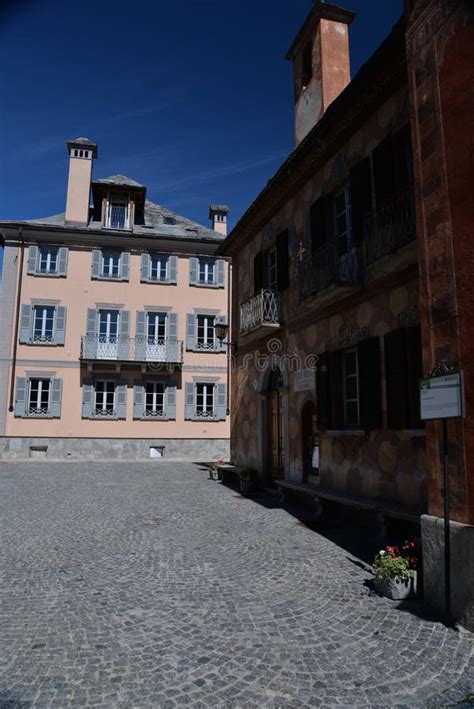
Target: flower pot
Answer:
pixel 396 589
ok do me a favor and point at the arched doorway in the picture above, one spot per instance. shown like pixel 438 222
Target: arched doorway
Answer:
pixel 308 430
pixel 274 424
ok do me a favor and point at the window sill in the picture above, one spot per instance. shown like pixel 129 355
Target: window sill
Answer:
pixel 32 416
pixel 42 344
pixel 128 230
pixel 205 351
pixel 37 274
pixel 206 285
pixel 346 432
pixel 159 283
pixel 118 279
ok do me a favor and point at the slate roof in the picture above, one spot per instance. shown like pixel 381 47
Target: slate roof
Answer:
pixel 121 180
pixel 82 141
pixel 159 222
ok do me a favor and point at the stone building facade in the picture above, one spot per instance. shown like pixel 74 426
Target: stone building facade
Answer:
pixel 332 328
pixel 108 315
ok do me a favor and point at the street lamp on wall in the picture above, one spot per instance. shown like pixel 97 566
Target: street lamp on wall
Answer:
pixel 221 330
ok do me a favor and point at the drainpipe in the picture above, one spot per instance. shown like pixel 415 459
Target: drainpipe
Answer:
pixel 17 322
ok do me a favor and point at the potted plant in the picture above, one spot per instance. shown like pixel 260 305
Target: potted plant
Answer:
pixel 215 472
pixel 247 479
pixel 396 570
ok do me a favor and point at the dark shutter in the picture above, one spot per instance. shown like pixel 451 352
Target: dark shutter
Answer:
pixel 318 223
pixel 257 273
pixel 323 391
pixel 403 159
pixel 384 170
pixel 265 269
pixel 415 373
pixel 396 375
pixel 283 275
pixel 361 197
pixel 337 414
pixel 370 400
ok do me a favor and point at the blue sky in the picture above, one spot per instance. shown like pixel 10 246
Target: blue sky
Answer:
pixel 192 98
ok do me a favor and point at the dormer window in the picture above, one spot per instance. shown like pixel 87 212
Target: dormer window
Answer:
pixel 117 212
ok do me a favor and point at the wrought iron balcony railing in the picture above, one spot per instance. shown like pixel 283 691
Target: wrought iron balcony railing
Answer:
pixel 326 267
pixel 262 309
pixel 131 349
pixel 390 227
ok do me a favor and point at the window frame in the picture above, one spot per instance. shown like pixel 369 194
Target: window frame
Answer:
pixel 95 408
pixel 207 327
pixel 42 338
pixel 156 412
pixel 116 200
pixel 110 253
pixel 207 263
pixel 345 399
pixel 49 251
pixel 208 390
pixel 38 412
pixel 346 234
pixel 160 258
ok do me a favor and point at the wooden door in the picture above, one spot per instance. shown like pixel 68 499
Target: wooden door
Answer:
pixel 275 435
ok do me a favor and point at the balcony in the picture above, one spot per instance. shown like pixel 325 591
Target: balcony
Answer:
pixel 327 267
pixel 140 350
pixel 390 227
pixel 262 310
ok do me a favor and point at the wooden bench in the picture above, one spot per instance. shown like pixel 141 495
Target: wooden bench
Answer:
pixel 363 503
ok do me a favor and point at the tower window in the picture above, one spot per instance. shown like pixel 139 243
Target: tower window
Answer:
pixel 307 66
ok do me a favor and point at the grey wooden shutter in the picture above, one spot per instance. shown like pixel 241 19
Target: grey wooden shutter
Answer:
pixel 383 160
pixel 170 401
pixel 193 270
pixel 60 325
pixel 283 266
pixel 124 334
pixel 20 397
pixel 121 399
pixel 220 266
pixel 370 397
pixel 25 324
pixel 138 400
pixel 140 336
pixel 173 269
pixel 190 331
pixel 90 349
pixel 96 263
pixel 87 398
pixel 396 375
pixel 62 260
pixel 221 404
pixel 172 344
pixel 125 266
pixel 415 373
pixel 319 234
pixel 145 268
pixel 32 259
pixel 56 395
pixel 189 413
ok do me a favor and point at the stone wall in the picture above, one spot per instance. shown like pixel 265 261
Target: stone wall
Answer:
pixel 196 450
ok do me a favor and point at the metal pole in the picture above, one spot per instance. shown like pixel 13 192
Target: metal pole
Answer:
pixel 447 549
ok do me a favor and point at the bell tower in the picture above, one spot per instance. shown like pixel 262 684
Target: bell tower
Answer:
pixel 321 65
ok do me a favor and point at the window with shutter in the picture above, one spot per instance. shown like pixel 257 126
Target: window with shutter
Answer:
pixel 383 160
pixel 257 273
pixel 283 275
pixel 323 391
pixel 318 223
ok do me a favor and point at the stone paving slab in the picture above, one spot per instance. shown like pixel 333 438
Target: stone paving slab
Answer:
pixel 148 585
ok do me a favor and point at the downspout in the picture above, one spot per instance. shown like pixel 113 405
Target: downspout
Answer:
pixel 17 322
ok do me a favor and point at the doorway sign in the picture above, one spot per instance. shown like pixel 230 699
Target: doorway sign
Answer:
pixel 304 380
pixel 442 398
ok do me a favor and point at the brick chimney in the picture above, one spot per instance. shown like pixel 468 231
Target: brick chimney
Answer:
pixel 321 65
pixel 218 216
pixel 81 154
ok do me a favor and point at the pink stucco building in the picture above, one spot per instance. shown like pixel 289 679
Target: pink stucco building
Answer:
pixel 107 314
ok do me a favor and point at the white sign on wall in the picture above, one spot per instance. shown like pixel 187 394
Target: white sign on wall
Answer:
pixel 441 397
pixel 304 380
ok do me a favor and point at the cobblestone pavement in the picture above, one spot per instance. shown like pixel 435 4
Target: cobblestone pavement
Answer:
pixel 141 585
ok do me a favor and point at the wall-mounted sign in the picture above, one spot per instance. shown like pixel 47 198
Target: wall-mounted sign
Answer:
pixel 304 380
pixel 442 397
